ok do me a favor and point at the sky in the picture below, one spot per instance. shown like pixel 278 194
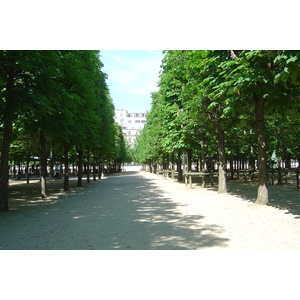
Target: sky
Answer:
pixel 132 76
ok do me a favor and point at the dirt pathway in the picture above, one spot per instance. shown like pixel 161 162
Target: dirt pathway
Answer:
pixel 143 211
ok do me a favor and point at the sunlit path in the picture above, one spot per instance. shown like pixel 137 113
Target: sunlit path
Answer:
pixel 136 210
pixel 121 212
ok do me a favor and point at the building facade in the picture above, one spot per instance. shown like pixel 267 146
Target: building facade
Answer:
pixel 131 123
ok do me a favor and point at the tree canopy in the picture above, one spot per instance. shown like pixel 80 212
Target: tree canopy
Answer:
pixel 55 105
pixel 225 104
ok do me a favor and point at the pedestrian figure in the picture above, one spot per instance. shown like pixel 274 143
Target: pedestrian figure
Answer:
pixel 57 173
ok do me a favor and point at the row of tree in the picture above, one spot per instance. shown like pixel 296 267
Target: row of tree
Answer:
pixel 55 105
pixel 227 104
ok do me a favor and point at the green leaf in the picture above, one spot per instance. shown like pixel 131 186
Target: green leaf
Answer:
pixel 292 59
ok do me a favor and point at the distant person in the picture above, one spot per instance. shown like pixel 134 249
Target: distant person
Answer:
pixel 57 173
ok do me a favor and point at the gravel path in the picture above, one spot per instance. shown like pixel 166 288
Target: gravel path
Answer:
pixel 143 211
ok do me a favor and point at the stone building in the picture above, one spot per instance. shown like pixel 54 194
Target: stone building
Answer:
pixel 131 123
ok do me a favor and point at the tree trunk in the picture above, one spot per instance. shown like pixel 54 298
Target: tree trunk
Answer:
pixel 252 159
pixel 94 168
pixel 288 163
pixel 172 162
pixel 202 161
pixel 19 170
pixel 27 168
pixel 262 193
pixel 279 155
pixel 4 165
pixel 73 165
pixel 8 116
pixel 155 165
pixel 43 164
pixel 222 187
pixel 79 173
pixel 179 168
pixel 189 160
pixel 61 166
pixel 107 166
pixel 164 162
pixel 66 163
pixel 231 166
pixel 88 167
pixel 51 165
pixel 100 168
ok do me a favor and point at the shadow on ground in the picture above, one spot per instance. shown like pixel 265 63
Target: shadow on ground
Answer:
pixel 121 212
pixel 285 196
pixel 24 196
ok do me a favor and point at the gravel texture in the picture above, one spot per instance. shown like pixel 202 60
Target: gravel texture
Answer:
pixel 138 210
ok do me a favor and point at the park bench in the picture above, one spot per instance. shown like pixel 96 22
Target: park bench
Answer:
pixel 203 178
pixel 284 173
pixel 159 172
pixel 166 173
pixel 242 174
pixel 169 174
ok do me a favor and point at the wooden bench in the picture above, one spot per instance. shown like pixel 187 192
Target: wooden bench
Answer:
pixel 166 173
pixel 245 174
pixel 189 175
pixel 169 174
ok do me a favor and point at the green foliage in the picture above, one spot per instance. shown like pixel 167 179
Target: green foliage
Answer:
pixel 198 88
pixel 64 95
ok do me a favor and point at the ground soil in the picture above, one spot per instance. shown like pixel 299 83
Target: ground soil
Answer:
pixel 142 211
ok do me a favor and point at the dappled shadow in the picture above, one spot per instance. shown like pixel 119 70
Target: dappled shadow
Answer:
pixel 127 211
pixel 24 196
pixel 286 196
pixel 156 216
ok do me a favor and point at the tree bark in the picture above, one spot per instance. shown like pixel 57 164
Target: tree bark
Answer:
pixel 189 160
pixel 100 168
pixel 231 166
pixel 66 163
pixel 88 167
pixel 8 116
pixel 262 193
pixel 4 166
pixel 94 169
pixel 202 161
pixel 79 173
pixel 27 168
pixel 43 164
pixel 222 186
pixel 179 168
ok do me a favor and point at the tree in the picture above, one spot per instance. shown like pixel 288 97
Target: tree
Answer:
pixel 49 90
pixel 19 71
pixel 253 75
pixel 235 91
